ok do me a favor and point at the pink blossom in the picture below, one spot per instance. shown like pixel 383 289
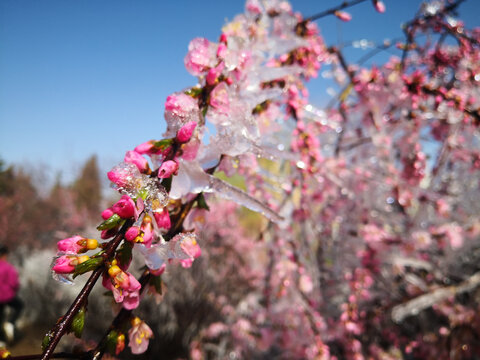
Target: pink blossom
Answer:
pixel 343 15
pixel 167 169
pixel 200 56
pixel 219 98
pixel 186 132
pixel 147 230
pixel 125 207
pixel 124 286
pixel 139 336
pixel 162 219
pixel 136 159
pixel 132 233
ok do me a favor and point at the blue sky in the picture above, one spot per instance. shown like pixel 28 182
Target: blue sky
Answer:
pixel 90 77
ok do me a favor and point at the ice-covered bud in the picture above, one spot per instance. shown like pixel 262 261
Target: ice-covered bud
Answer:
pixel 200 56
pixel 219 98
pixel 65 264
pixel 214 73
pixel 190 245
pixel 76 244
pixel 125 207
pixel 167 169
pixel 124 175
pixel 132 233
pixel 138 336
pixel 135 158
pixel 379 6
pixel 107 213
pixel 162 219
pixel 186 132
pixel 180 108
pixel 343 15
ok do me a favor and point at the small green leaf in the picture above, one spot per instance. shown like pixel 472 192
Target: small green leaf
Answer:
pixel 156 282
pixel 163 144
pixel 143 193
pixel 110 223
pixel 204 111
pixel 194 92
pixel 46 340
pixel 124 254
pixel 202 203
pixel 89 265
pixel 111 342
pixel 78 323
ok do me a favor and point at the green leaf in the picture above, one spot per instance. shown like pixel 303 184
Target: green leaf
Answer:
pixel 78 323
pixel 110 223
pixel 143 193
pixel 111 342
pixel 163 144
pixel 46 340
pixel 156 282
pixel 194 92
pixel 202 203
pixel 89 265
pixel 125 253
pixel 204 111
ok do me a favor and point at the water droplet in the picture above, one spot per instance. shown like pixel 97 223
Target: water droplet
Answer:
pixel 390 200
pixel 301 165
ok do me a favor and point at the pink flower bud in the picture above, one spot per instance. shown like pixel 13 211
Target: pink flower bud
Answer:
pixel 136 159
pixel 107 213
pixel 147 148
pixel 343 15
pixel 63 265
pixel 167 169
pixel 132 233
pixel 70 245
pixel 186 132
pixel 222 49
pixel 125 207
pixel 379 6
pixel 163 219
pixel 107 234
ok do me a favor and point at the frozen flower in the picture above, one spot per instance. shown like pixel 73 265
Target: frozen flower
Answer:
pixel 136 159
pixel 200 57
pixel 379 6
pixel 219 98
pixel 186 132
pixel 139 336
pixel 125 207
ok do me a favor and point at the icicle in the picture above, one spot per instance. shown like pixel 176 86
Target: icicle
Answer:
pixel 233 193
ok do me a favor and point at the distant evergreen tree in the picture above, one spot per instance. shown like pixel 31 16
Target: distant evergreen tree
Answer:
pixel 87 188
